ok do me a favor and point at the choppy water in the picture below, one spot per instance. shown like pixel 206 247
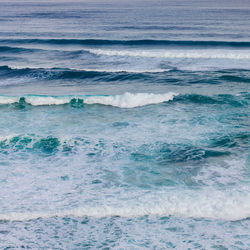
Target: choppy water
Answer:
pixel 125 124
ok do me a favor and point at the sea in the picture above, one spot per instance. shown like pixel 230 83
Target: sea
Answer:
pixel 125 124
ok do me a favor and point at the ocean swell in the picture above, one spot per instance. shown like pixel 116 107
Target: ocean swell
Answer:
pixel 143 42
pixel 72 73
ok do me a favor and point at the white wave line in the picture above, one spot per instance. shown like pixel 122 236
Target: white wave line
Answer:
pixel 194 53
pixel 126 100
pixel 211 204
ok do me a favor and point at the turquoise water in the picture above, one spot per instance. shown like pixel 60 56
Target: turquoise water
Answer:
pixel 124 125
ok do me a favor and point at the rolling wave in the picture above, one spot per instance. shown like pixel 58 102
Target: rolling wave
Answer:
pixel 14 49
pixel 66 73
pixel 49 73
pixel 236 101
pixel 198 53
pixel 154 75
pixel 127 100
pixel 195 54
pixel 143 42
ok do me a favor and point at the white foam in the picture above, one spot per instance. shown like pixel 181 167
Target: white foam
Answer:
pixel 47 100
pixel 174 53
pixel 101 70
pixel 211 204
pixel 123 70
pixel 129 100
pixel 8 99
pixel 7 138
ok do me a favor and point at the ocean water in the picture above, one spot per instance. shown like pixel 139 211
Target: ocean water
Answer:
pixel 125 124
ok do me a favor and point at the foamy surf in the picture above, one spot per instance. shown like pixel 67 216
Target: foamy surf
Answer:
pixel 209 204
pixel 174 53
pixel 129 100
pixel 47 100
pixel 126 100
pixel 87 70
pixel 8 99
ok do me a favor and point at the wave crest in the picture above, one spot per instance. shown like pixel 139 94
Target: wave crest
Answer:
pixel 173 53
pixel 127 100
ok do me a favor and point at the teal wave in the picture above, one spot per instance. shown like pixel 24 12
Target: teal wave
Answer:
pixel 159 153
pixel 127 100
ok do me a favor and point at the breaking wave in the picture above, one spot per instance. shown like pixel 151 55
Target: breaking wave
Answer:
pixel 127 100
pixel 14 49
pixel 180 53
pixel 212 204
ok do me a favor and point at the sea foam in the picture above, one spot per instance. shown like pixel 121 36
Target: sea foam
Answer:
pixel 174 53
pixel 210 204
pixel 8 99
pixel 129 100
pixel 126 100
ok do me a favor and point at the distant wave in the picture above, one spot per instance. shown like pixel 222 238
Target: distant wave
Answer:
pixel 18 49
pixel 14 49
pixel 208 203
pixel 144 42
pixel 127 100
pixel 111 74
pixel 66 73
pixel 170 53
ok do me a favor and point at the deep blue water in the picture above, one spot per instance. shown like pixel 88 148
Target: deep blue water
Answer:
pixel 125 124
